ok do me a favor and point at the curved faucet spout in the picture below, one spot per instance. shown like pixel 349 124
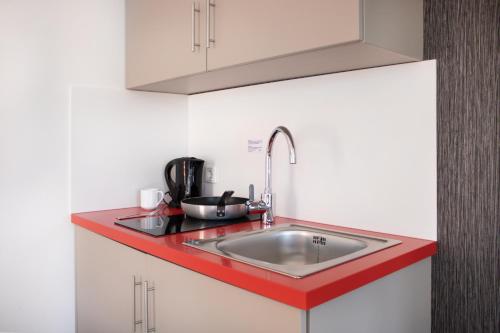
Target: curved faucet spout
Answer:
pixel 267 217
pixel 289 139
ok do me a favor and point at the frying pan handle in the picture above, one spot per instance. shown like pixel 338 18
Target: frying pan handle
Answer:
pixel 221 205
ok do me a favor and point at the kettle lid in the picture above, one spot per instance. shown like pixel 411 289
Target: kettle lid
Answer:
pixel 183 159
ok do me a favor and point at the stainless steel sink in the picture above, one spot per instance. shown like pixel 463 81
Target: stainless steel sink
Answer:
pixel 293 250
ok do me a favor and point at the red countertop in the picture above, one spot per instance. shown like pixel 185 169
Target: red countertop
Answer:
pixel 304 293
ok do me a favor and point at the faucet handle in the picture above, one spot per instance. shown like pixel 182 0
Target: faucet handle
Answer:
pixel 254 206
pixel 251 192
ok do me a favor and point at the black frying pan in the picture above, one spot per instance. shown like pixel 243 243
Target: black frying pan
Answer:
pixel 216 208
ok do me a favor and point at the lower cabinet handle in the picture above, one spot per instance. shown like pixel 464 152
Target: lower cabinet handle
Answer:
pixel 136 322
pixel 145 315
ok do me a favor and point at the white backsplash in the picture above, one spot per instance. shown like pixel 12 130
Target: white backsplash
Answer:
pixel 366 146
pixel 121 141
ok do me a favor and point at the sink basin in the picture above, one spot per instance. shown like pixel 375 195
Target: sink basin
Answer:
pixel 293 250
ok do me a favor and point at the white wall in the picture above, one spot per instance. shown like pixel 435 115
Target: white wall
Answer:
pixel 366 146
pixel 45 48
pixel 120 142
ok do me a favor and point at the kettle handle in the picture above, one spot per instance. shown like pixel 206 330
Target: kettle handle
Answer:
pixel 168 178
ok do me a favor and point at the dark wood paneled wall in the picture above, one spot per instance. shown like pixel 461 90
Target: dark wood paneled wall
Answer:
pixel 463 35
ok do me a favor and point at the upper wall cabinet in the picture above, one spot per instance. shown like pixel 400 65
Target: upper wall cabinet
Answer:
pixel 160 43
pixel 188 47
pixel 248 31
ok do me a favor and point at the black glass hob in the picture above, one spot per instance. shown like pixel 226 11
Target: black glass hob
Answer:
pixel 168 225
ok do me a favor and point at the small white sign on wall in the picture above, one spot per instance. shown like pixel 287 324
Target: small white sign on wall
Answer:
pixel 255 145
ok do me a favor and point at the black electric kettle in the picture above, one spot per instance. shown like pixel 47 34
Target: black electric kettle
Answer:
pixel 188 179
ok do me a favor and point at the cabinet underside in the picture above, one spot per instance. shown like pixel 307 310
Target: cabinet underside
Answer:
pixel 322 61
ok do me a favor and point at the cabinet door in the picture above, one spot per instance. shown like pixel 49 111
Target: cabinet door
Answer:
pixel 186 301
pixel 105 287
pixel 246 31
pixel 159 42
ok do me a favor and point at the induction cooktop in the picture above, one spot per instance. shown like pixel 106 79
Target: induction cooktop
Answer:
pixel 168 225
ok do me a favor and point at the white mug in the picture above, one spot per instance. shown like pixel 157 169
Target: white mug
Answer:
pixel 151 198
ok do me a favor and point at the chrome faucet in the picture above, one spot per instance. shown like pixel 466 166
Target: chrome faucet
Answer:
pixel 267 196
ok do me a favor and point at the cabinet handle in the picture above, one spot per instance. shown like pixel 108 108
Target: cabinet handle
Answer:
pixel 145 313
pixel 210 40
pixel 194 10
pixel 136 322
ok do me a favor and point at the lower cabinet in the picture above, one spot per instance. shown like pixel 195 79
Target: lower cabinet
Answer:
pixel 186 301
pixel 108 300
pixel 120 289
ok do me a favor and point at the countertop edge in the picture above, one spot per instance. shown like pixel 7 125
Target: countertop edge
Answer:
pixel 371 274
pixel 304 300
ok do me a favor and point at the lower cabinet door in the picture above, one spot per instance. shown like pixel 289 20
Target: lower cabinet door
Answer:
pixel 107 299
pixel 184 301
